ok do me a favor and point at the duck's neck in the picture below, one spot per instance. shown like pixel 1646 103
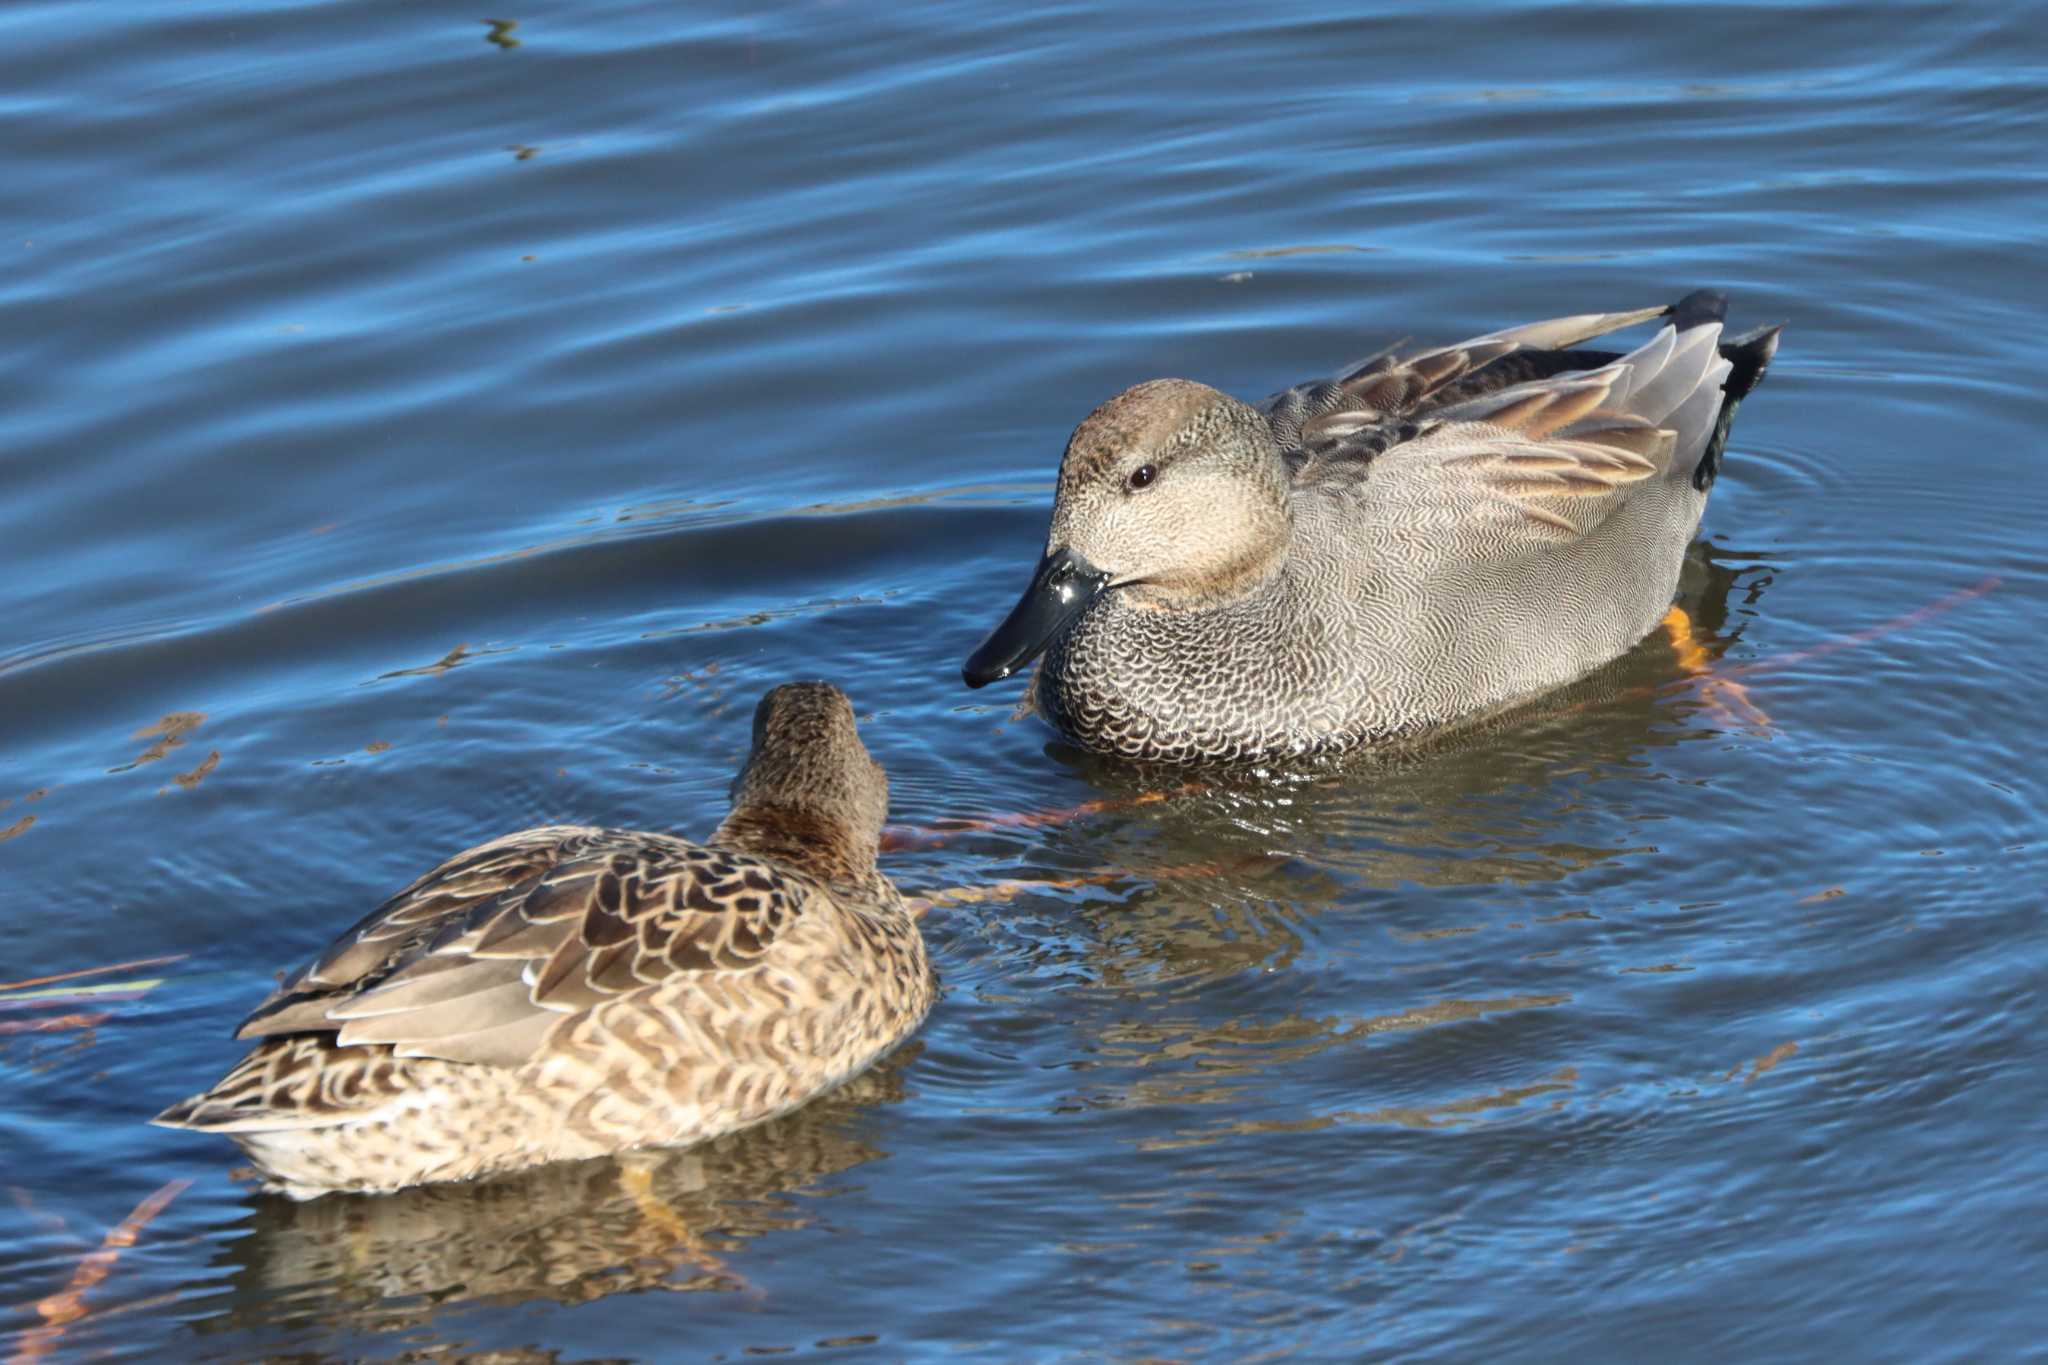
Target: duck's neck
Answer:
pixel 800 837
pixel 1180 685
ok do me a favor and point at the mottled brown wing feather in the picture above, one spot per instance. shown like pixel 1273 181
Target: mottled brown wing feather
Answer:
pixel 300 1081
pixel 1561 489
pixel 477 959
pixel 1380 402
pixel 1545 461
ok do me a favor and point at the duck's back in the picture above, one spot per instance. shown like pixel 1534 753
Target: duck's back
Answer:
pixel 1527 522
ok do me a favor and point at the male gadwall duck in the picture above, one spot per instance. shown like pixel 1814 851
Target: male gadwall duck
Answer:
pixel 1425 538
pixel 570 991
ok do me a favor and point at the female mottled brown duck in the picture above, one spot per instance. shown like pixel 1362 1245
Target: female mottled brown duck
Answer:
pixel 570 991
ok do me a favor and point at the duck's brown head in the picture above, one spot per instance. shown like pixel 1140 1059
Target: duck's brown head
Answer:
pixel 1170 492
pixel 809 794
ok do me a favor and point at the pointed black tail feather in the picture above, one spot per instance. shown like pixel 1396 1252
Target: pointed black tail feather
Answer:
pixel 1748 356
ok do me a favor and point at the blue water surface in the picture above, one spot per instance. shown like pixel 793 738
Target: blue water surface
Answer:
pixel 416 427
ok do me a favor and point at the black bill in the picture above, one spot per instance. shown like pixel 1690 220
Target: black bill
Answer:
pixel 1063 585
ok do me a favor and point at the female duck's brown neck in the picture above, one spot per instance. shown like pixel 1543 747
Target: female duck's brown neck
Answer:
pixel 802 837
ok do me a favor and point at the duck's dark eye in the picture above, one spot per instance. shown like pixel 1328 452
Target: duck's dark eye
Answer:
pixel 1143 475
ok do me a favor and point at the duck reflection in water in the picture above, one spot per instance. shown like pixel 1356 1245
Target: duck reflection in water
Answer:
pixel 568 1233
